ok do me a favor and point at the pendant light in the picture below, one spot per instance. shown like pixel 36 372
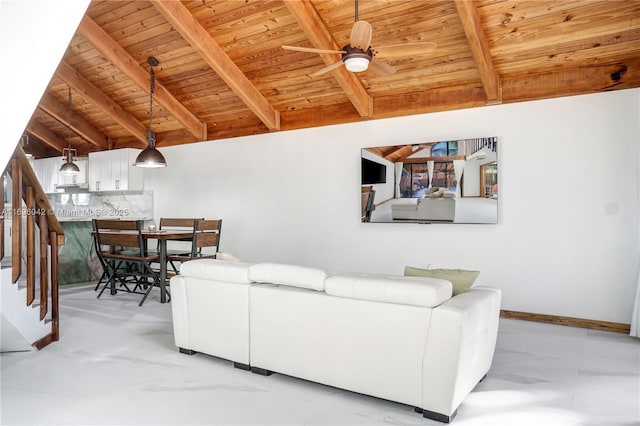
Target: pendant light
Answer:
pixel 150 157
pixel 69 168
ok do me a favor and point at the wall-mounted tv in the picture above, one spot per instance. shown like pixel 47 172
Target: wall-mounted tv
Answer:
pixel 373 172
pixel 452 181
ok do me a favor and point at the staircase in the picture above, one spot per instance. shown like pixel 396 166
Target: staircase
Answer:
pixel 29 286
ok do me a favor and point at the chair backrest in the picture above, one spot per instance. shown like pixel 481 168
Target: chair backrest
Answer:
pixel 181 223
pixel 130 238
pixel 116 225
pixel 178 222
pixel 207 235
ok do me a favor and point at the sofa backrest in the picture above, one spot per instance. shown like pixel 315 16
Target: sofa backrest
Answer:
pixel 291 275
pixel 417 291
pixel 217 270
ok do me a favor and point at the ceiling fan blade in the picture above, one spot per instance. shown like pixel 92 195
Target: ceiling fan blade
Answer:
pixel 311 49
pixel 360 35
pixel 404 49
pixel 327 68
pixel 381 67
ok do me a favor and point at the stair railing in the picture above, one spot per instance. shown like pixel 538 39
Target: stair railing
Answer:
pixel 30 207
pixel 475 145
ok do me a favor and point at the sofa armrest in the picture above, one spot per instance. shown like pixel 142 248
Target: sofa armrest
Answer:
pixel 460 347
pixel 211 317
pixel 179 312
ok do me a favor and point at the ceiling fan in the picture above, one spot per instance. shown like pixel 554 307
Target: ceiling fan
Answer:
pixel 358 55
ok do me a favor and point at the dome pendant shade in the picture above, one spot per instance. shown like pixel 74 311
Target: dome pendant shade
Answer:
pixel 69 168
pixel 150 157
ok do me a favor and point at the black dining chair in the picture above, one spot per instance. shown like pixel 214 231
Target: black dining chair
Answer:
pixel 98 250
pixel 122 249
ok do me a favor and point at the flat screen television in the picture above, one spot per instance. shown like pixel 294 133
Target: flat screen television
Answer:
pixel 373 172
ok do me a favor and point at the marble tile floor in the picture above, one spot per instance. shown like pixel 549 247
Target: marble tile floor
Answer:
pixel 116 364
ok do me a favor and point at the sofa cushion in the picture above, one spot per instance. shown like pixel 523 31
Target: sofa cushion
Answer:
pixel 462 280
pixel 217 270
pixel 428 292
pixel 293 275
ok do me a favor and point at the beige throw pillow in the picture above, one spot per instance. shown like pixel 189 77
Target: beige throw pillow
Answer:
pixel 462 280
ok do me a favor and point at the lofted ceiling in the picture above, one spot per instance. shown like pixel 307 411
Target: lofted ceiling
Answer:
pixel 223 73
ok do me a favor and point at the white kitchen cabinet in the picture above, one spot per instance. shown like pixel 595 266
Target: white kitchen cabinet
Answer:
pixel 99 170
pixel 48 172
pixel 114 171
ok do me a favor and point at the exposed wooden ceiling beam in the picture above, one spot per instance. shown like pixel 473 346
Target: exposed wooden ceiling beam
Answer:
pixel 479 49
pixel 93 94
pixel 78 124
pixel 400 154
pixel 317 32
pixel 45 135
pixel 328 115
pixel 438 99
pixel 572 81
pixel 191 30
pixel 119 57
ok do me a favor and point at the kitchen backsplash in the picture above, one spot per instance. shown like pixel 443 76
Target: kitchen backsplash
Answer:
pixel 84 206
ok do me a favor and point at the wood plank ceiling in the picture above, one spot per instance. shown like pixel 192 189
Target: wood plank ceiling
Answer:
pixel 223 72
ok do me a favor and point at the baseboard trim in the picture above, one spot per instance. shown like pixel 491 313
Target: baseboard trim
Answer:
pixel 569 321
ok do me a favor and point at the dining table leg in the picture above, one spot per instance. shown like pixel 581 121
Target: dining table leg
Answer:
pixel 112 278
pixel 163 270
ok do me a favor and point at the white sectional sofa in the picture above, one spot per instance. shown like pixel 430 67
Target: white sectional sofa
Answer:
pixel 404 339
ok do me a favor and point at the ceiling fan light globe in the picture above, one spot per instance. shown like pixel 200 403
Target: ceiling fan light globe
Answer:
pixel 356 64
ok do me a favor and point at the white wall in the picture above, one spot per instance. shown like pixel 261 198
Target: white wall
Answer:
pixel 566 248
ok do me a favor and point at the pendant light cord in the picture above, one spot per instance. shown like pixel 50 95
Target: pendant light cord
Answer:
pixel 152 88
pixel 69 122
